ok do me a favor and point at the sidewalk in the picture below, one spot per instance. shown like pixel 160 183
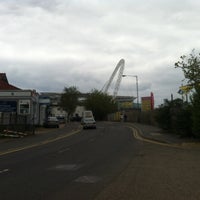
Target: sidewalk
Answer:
pixel 157 134
pixel 40 134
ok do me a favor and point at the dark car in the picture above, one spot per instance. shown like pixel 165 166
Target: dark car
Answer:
pixel 51 122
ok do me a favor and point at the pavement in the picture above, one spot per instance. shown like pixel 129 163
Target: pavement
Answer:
pixel 170 172
pixel 40 133
pixel 156 134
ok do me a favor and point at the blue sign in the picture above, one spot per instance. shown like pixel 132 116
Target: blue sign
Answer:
pixel 8 106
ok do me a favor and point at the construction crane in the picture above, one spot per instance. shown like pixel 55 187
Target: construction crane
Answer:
pixel 120 68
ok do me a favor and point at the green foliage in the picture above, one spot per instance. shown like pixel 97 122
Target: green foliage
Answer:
pixel 69 100
pixel 175 116
pixel 101 104
pixel 181 119
pixel 191 69
pixel 196 112
pixel 162 117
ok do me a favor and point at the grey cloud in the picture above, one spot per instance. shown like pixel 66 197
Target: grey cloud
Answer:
pixel 54 43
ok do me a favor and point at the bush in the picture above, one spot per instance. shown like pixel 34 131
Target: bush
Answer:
pixel 196 113
pixel 176 117
pixel 162 117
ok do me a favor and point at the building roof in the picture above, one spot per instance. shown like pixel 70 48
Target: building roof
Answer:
pixel 4 84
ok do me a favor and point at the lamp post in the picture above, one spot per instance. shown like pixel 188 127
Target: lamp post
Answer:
pixel 136 87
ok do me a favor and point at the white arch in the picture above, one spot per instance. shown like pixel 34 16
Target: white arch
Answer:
pixel 120 67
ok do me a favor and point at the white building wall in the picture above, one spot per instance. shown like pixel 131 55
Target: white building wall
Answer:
pixel 58 112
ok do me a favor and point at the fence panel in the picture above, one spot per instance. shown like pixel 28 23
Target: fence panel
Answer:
pixel 12 122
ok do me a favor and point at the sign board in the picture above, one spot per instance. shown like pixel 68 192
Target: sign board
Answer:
pixel 25 93
pixel 126 105
pixel 184 89
pixel 24 107
pixel 8 106
pixel 148 103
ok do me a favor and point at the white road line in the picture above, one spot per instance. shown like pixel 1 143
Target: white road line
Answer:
pixel 88 179
pixel 66 167
pixel 4 170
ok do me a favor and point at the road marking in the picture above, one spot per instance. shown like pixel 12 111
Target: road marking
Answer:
pixel 139 137
pixel 38 144
pixel 88 179
pixel 4 170
pixel 66 167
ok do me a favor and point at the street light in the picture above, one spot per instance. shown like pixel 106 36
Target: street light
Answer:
pixel 136 87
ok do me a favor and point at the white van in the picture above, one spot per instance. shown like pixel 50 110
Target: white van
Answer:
pixel 88 120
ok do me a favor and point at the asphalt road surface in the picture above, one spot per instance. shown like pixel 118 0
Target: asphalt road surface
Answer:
pixel 96 164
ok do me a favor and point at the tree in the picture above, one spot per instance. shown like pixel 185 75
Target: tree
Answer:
pixel 175 116
pixel 69 100
pixel 191 69
pixel 190 66
pixel 162 116
pixel 101 104
pixel 196 112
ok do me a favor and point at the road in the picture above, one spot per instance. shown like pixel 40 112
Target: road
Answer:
pixel 106 163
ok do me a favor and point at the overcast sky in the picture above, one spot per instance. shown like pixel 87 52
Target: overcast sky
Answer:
pixel 51 44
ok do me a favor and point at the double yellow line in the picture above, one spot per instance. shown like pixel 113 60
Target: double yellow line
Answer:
pixel 9 151
pixel 138 136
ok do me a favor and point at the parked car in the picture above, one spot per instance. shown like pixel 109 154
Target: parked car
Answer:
pixel 51 122
pixel 75 118
pixel 61 119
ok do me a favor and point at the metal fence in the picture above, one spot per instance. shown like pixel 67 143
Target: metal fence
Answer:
pixel 144 117
pixel 14 124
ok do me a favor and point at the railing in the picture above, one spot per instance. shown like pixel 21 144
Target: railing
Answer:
pixel 14 124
